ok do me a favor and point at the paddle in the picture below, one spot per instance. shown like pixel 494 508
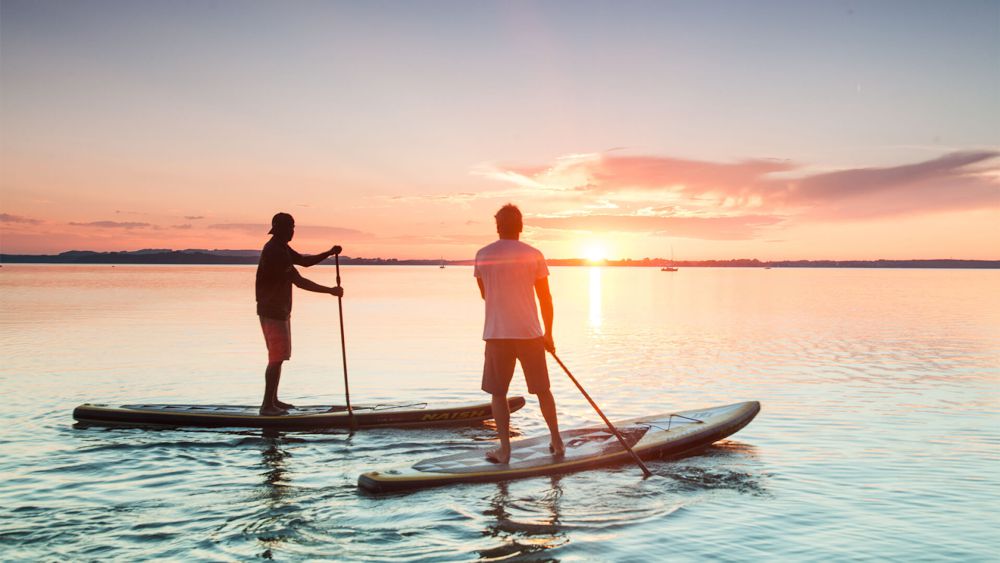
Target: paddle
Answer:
pixel 645 470
pixel 343 347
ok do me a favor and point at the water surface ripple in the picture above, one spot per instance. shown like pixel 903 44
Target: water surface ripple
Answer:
pixel 878 438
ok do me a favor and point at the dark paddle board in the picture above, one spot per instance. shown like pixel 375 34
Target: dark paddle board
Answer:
pixel 365 416
pixel 586 448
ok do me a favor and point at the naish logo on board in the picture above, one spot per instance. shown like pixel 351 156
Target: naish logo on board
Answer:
pixel 454 415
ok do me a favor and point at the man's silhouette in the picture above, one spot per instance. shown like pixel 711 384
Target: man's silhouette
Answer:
pixel 275 275
pixel 510 273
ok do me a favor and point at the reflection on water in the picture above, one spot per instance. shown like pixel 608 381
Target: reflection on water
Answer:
pixel 273 458
pixel 524 537
pixel 595 297
pixel 276 485
pixel 878 436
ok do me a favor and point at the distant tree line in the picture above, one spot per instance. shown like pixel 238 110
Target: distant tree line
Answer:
pixel 204 256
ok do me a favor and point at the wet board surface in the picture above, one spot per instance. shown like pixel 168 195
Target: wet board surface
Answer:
pixel 586 448
pixel 312 416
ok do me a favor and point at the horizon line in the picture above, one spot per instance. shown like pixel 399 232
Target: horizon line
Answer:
pixel 230 255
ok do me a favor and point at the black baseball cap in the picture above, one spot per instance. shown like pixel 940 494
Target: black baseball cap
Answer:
pixel 281 221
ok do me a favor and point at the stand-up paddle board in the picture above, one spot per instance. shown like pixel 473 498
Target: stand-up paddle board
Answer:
pixel 586 448
pixel 365 416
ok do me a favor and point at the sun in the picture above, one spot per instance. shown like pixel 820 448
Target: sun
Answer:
pixel 595 252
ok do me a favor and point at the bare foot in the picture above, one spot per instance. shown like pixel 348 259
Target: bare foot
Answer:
pixel 498 455
pixel 283 405
pixel 272 411
pixel 557 449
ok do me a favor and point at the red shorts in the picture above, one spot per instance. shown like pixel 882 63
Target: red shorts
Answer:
pixel 501 355
pixel 278 337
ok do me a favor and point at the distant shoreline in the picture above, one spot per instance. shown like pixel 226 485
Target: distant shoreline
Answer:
pixel 249 257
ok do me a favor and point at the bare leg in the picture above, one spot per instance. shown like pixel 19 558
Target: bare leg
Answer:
pixel 274 392
pixel 548 406
pixel 272 376
pixel 501 414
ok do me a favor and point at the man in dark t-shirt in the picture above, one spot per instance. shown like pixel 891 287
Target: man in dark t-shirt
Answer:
pixel 276 274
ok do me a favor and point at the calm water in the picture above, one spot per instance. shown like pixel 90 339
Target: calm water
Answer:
pixel 879 435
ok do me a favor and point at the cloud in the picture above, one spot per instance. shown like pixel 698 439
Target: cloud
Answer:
pixel 865 181
pixel 956 181
pixel 193 217
pixel 737 200
pixel 567 173
pixel 8 218
pixel 309 231
pixel 460 197
pixel 527 171
pixel 603 173
pixel 611 173
pixel 442 238
pixel 712 228
pixel 947 183
pixel 112 225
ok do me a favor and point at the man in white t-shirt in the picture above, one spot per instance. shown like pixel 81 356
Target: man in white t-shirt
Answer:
pixel 510 273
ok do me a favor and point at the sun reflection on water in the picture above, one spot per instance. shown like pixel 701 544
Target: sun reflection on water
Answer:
pixel 595 297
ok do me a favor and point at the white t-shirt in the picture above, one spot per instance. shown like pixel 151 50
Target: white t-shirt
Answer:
pixel 509 270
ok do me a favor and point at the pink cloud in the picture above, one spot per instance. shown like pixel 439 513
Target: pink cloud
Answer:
pixel 712 228
pixel 301 230
pixel 253 228
pixel 8 218
pixel 441 238
pixel 956 181
pixel 739 201
pixel 610 173
pixel 864 181
pixel 947 183
pixel 527 170
pixel 460 197
pixel 112 225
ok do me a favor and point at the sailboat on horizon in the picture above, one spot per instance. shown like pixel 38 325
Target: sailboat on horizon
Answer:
pixel 671 267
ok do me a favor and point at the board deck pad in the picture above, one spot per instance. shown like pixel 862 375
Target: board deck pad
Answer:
pixel 312 416
pixel 586 448
pixel 581 443
pixel 253 410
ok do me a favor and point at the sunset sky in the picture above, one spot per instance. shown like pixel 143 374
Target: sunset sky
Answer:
pixel 770 130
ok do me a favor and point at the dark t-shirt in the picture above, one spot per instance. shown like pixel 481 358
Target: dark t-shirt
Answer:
pixel 275 273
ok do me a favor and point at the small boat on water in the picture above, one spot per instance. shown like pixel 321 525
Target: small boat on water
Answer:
pixel 671 267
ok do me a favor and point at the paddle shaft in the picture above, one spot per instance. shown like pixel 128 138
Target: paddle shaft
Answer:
pixel 645 470
pixel 343 345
